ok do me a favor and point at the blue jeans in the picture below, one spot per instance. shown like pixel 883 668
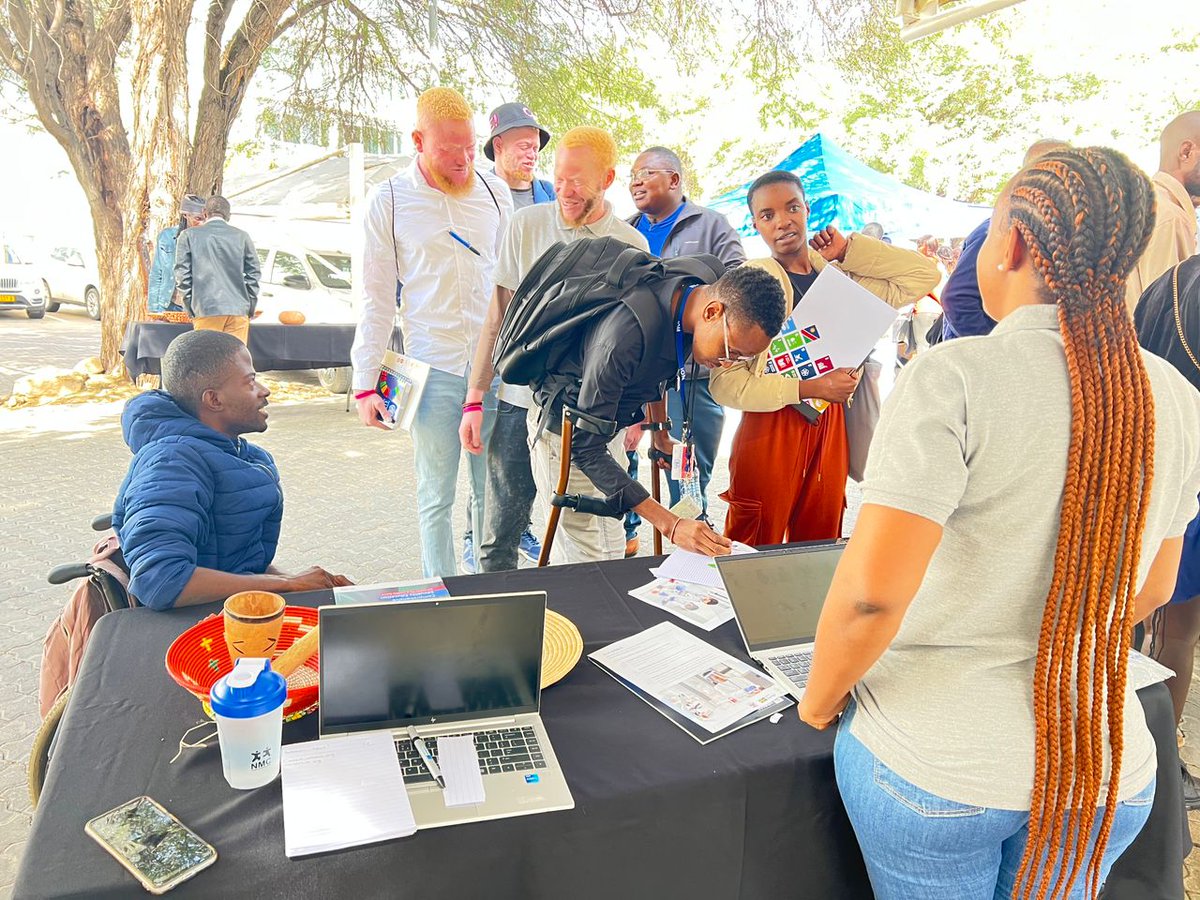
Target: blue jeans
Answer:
pixel 708 421
pixel 919 845
pixel 436 452
pixel 510 489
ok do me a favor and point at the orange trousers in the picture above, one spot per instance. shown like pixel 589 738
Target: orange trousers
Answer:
pixel 787 479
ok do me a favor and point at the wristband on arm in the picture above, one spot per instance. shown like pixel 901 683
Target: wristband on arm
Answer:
pixel 472 407
pixel 362 394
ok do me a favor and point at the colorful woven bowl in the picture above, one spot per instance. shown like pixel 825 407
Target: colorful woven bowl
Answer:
pixel 198 657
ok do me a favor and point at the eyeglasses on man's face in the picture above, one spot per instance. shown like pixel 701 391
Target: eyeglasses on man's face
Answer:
pixel 644 174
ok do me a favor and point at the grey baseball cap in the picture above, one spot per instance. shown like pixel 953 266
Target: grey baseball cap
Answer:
pixel 508 116
pixel 192 205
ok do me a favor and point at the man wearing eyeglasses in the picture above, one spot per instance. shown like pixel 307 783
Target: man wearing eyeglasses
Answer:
pixel 675 226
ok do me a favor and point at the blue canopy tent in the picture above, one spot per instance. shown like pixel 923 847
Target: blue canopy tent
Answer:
pixel 847 193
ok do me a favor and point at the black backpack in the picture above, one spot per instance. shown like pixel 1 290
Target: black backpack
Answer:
pixel 570 284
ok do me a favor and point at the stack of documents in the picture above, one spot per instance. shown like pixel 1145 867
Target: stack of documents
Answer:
pixel 343 793
pixel 689 586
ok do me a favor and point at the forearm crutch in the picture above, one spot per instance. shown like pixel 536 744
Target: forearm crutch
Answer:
pixel 655 455
pixel 564 474
pixel 592 506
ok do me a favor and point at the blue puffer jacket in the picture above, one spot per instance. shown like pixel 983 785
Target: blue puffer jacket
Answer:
pixel 192 497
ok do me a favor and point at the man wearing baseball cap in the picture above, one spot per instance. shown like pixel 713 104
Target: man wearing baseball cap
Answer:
pixel 514 145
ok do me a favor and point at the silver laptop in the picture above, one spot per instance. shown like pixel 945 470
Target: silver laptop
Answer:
pixel 468 665
pixel 777 597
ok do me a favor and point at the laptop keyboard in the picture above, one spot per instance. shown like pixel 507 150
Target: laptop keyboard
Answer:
pixel 500 750
pixel 795 666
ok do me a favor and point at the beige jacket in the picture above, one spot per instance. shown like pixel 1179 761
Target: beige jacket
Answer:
pixel 895 275
pixel 1172 241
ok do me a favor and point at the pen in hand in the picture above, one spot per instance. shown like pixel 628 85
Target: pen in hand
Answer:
pixel 462 240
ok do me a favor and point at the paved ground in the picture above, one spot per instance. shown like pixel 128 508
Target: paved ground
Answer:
pixel 60 339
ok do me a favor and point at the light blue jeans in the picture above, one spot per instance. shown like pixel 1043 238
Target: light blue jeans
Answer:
pixel 436 452
pixel 918 846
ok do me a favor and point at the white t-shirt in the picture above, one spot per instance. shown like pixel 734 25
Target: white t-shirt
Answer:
pixel 975 438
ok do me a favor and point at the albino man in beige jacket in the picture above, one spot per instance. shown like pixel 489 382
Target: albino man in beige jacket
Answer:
pixel 787 478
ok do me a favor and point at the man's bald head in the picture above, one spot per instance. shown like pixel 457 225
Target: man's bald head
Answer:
pixel 1179 152
pixel 1043 147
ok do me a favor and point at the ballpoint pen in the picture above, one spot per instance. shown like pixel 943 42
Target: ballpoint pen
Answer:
pixel 462 240
pixel 426 756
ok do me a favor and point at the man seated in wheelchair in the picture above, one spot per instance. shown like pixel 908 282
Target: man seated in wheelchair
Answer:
pixel 198 513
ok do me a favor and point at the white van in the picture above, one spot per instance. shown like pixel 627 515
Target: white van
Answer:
pixel 313 282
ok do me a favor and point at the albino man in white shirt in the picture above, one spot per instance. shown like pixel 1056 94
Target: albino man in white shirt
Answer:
pixel 435 228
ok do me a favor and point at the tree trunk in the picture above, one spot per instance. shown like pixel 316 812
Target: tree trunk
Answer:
pixel 158 156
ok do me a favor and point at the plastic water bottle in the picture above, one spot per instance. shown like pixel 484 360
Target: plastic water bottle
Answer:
pixel 248 706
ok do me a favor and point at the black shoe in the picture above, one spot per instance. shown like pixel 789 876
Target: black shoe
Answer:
pixel 1191 789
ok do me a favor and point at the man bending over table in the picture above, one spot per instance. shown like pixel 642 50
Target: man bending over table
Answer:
pixel 199 510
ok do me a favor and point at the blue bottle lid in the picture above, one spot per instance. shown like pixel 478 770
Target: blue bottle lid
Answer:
pixel 250 690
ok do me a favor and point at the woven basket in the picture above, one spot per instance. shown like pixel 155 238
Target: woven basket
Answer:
pixel 198 657
pixel 180 318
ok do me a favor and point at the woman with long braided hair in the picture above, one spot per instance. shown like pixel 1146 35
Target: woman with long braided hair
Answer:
pixel 981 616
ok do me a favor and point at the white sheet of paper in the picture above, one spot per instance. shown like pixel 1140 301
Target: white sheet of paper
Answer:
pixel 691 676
pixel 835 325
pixel 343 793
pixel 459 762
pixel 706 608
pixel 695 568
pixel 1144 671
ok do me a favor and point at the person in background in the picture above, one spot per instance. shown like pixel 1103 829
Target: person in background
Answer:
pixel 961 304
pixel 160 296
pixel 674 226
pixel 199 511
pixel 217 272
pixel 1177 196
pixel 990 603
pixel 873 230
pixel 1176 627
pixel 436 228
pixel 583 171
pixel 787 478
pixel 514 145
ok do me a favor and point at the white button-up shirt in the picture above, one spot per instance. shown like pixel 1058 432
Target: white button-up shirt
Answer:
pixel 447 288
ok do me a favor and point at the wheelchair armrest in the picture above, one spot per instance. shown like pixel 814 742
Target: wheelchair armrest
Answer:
pixel 102 522
pixel 69 572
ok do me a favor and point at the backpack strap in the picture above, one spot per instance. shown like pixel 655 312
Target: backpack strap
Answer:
pixel 619 270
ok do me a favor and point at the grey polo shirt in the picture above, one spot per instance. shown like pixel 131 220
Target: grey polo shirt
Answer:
pixel 975 438
pixel 533 231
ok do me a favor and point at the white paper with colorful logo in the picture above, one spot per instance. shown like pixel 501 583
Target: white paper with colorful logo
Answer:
pixel 834 326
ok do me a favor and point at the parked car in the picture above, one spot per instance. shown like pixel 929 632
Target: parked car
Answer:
pixel 20 286
pixel 315 283
pixel 70 277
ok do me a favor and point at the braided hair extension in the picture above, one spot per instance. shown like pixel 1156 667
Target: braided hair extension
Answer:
pixel 1085 216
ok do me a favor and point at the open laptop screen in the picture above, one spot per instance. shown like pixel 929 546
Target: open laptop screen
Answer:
pixel 778 594
pixel 391 665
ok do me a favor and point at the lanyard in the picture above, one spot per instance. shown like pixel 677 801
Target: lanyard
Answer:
pixel 688 397
pixel 679 357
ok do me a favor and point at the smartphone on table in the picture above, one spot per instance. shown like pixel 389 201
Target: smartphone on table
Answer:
pixel 156 848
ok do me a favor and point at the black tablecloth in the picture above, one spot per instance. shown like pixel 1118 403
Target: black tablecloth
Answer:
pixel 273 346
pixel 753 815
